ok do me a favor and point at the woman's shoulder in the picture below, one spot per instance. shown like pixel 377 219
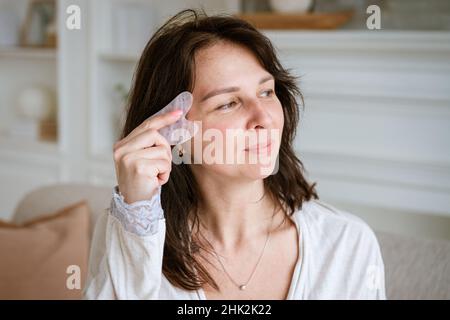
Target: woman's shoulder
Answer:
pixel 344 251
pixel 325 221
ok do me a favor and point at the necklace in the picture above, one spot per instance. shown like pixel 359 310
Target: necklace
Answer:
pixel 243 286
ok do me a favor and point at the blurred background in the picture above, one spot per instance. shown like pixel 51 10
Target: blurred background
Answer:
pixel 375 132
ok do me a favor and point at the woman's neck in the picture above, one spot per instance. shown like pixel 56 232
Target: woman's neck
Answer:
pixel 234 212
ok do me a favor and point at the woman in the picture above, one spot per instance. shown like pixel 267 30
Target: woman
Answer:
pixel 207 230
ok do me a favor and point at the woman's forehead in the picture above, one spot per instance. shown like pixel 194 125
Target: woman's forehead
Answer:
pixel 226 63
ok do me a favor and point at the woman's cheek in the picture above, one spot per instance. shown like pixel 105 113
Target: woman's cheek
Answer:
pixel 279 117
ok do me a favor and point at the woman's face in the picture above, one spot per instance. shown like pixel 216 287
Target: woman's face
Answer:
pixel 239 113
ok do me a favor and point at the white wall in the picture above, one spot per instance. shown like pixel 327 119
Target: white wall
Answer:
pixel 375 133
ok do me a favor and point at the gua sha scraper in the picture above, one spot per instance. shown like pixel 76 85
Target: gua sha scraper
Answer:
pixel 182 130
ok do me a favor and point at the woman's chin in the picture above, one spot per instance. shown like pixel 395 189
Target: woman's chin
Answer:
pixel 265 166
pixel 259 171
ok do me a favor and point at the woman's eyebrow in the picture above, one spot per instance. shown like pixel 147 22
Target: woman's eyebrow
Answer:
pixel 232 89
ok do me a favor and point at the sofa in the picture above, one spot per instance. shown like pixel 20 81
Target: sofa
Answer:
pixel 415 268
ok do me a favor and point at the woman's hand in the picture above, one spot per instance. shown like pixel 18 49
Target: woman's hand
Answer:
pixel 143 159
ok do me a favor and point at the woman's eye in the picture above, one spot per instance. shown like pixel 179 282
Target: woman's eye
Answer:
pixel 227 106
pixel 232 104
pixel 267 93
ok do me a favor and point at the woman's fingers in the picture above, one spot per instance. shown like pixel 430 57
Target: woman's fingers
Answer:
pixel 156 122
pixel 151 168
pixel 144 140
pixel 143 159
pixel 159 152
pixel 128 161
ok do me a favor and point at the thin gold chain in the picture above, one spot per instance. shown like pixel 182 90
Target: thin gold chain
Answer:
pixel 243 286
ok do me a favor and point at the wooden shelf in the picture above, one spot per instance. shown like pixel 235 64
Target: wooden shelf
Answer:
pixel 27 52
pixel 292 21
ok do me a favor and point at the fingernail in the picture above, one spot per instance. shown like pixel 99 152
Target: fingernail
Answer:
pixel 176 113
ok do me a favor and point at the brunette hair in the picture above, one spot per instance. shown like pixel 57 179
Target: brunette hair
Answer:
pixel 165 69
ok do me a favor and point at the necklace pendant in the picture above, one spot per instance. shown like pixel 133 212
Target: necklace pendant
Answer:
pixel 242 287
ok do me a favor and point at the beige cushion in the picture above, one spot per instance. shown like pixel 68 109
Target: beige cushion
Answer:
pixel 35 255
pixel 56 196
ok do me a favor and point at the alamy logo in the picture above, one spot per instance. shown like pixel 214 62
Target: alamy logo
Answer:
pixel 74 279
pixel 373 22
pixel 73 21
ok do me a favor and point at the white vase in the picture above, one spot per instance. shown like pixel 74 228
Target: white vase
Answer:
pixel 291 6
pixel 36 102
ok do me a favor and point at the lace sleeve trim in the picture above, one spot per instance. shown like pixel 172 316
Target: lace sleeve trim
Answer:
pixel 140 217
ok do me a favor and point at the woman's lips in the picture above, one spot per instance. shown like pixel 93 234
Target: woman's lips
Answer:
pixel 260 148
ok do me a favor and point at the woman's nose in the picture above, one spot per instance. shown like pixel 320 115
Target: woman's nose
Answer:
pixel 258 115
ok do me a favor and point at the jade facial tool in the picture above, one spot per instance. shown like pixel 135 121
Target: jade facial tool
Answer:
pixel 182 130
